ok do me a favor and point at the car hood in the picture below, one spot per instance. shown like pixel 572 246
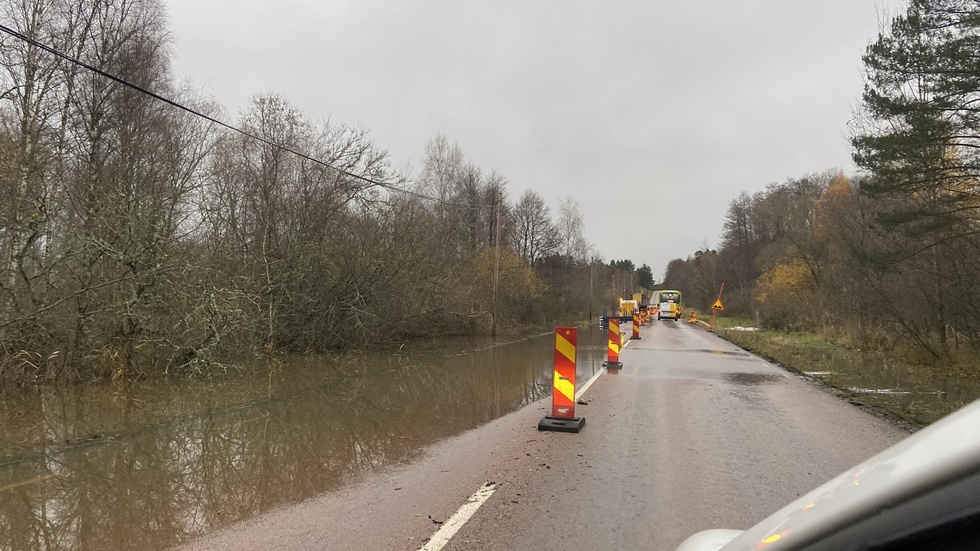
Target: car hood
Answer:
pixel 709 540
pixel 945 451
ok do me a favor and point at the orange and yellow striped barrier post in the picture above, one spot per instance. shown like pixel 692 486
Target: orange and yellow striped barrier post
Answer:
pixel 562 416
pixel 693 318
pixel 615 342
pixel 636 326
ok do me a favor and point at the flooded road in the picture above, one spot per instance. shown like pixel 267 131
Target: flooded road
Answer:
pixel 149 465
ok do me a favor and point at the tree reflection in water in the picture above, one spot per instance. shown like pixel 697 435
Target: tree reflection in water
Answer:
pixel 149 465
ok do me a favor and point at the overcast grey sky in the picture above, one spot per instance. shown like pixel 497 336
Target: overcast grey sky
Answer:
pixel 652 114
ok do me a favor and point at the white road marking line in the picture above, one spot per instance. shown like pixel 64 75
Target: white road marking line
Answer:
pixel 459 518
pixel 586 386
pixel 475 501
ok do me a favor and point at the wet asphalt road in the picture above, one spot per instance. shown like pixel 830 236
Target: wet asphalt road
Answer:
pixel 693 433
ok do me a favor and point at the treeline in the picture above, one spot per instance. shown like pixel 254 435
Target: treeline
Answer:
pixel 892 255
pixel 139 239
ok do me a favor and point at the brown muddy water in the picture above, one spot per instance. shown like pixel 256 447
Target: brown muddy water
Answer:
pixel 148 465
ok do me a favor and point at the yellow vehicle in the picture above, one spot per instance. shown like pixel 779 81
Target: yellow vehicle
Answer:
pixel 626 307
pixel 668 303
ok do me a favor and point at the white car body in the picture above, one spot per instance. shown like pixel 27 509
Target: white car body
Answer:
pixel 922 493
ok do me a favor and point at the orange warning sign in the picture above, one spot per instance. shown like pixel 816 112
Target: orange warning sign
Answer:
pixel 717 305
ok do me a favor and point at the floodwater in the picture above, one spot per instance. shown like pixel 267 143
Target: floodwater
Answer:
pixel 148 465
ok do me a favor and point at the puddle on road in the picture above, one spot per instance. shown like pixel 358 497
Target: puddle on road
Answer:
pixel 726 352
pixel 149 465
pixel 738 353
pixel 752 379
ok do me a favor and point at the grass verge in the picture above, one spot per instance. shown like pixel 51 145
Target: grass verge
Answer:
pixel 916 392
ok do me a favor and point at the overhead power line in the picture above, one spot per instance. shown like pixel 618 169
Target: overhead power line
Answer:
pixel 192 111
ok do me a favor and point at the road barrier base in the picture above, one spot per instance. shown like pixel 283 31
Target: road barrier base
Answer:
pixel 612 365
pixel 635 338
pixel 559 424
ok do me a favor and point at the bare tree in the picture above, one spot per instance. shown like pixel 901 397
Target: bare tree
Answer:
pixel 533 235
pixel 571 230
pixel 31 92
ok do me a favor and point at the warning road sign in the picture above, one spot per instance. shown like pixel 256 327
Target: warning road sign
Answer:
pixel 717 305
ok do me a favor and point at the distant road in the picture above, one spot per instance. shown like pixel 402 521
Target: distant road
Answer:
pixel 693 433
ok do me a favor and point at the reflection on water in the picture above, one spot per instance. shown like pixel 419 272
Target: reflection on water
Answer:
pixel 149 465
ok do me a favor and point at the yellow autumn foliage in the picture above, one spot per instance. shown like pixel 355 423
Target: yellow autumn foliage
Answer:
pixel 835 203
pixel 787 282
pixel 519 287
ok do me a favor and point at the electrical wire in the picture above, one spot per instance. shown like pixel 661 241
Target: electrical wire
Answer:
pixel 221 123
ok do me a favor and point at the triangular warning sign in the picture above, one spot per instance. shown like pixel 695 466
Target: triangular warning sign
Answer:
pixel 717 305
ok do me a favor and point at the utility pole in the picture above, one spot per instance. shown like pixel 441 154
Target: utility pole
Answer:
pixel 591 293
pixel 496 268
pixel 591 275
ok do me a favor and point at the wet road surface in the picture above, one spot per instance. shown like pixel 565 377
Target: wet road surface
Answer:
pixel 693 433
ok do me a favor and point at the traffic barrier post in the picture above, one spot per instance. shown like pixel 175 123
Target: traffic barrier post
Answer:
pixel 562 418
pixel 614 344
pixel 636 326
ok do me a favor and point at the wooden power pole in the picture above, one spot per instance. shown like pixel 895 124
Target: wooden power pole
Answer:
pixel 496 267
